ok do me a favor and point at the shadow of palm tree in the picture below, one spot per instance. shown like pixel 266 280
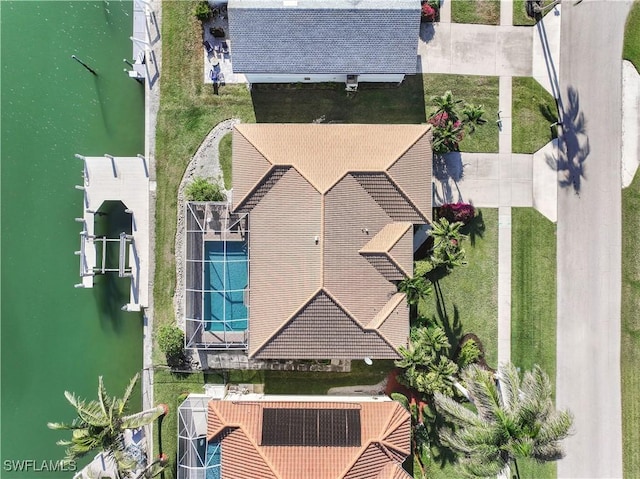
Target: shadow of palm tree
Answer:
pixel 573 145
pixel 475 228
pixel 451 325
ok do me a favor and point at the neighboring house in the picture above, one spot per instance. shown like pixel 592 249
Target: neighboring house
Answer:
pixel 351 41
pixel 311 437
pixel 331 210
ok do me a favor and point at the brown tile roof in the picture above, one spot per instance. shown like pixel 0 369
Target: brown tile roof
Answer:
pixel 331 213
pixel 384 442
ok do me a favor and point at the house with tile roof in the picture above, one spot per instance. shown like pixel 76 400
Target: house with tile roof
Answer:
pixel 331 210
pixel 351 41
pixel 277 437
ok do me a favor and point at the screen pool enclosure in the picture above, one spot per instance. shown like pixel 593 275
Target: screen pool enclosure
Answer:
pixel 216 277
pixel 197 457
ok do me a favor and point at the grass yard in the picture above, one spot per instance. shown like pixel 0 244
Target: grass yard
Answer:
pixel 466 300
pixel 631 49
pixel 534 109
pixel 630 328
pixel 479 90
pixel 469 296
pixel 533 291
pixel 314 382
pixel 533 304
pixel 485 12
pixel 224 154
pixel 188 111
pixel 328 102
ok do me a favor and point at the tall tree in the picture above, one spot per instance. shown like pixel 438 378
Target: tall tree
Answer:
pixel 101 423
pixel 511 418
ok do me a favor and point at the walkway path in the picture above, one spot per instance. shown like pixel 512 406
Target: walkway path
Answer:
pixel 589 237
pixel 501 180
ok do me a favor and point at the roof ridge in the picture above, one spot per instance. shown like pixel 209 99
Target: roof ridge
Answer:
pixel 397 263
pixel 408 224
pixel 287 321
pixel 378 320
pixel 405 196
pixel 428 125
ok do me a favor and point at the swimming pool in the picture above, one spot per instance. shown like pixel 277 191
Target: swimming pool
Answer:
pixel 226 275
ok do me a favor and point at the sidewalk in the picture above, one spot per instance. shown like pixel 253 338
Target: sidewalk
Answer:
pixel 503 180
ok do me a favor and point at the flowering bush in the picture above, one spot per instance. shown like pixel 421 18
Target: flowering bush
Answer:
pixel 453 212
pixel 429 13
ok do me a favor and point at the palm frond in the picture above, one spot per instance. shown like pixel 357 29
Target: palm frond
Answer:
pixel 127 394
pixel 142 418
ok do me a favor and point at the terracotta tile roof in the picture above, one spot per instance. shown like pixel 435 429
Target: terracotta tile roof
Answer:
pixel 331 209
pixel 384 442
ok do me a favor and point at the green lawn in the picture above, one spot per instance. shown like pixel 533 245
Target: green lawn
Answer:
pixel 630 329
pixel 533 290
pixel 485 12
pixel 225 160
pixel 631 49
pixel 466 300
pixel 313 382
pixel 533 304
pixel 534 109
pixel 479 90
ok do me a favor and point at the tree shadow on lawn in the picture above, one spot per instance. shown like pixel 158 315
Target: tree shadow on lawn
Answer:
pixel 452 326
pixel 330 103
pixel 475 228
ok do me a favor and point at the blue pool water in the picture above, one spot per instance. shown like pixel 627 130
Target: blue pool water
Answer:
pixel 226 275
pixel 213 460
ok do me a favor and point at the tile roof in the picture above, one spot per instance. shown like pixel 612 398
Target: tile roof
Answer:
pixel 384 442
pixel 324 36
pixel 331 230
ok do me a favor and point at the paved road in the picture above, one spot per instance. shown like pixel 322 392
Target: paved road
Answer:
pixel 589 237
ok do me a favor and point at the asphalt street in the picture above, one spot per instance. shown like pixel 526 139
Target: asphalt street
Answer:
pixel 589 236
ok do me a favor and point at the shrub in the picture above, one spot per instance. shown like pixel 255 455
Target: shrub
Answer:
pixel 202 190
pixel 202 11
pixel 454 212
pixel 171 343
pixel 469 354
pixel 430 10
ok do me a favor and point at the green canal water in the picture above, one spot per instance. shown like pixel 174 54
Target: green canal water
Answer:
pixel 54 337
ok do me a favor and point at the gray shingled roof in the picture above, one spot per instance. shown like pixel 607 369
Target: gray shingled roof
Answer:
pixel 326 36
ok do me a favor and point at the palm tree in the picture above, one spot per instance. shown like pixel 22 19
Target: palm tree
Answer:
pixel 446 244
pixel 101 424
pixel 446 104
pixel 426 365
pixel 446 136
pixel 513 418
pixel 473 116
pixel 415 288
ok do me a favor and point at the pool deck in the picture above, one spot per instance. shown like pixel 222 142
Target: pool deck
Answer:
pixel 108 178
